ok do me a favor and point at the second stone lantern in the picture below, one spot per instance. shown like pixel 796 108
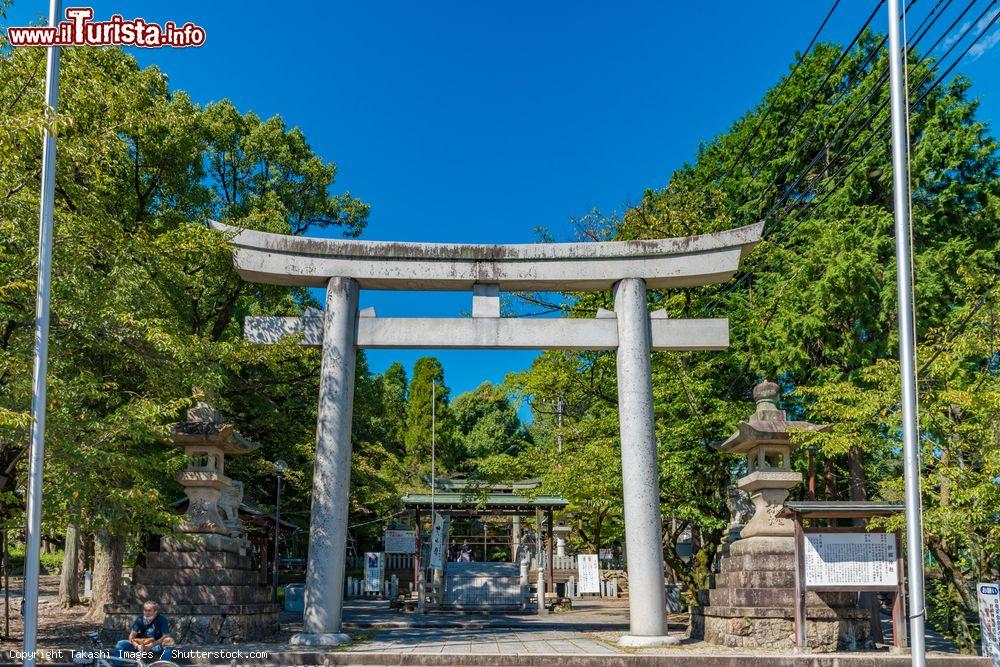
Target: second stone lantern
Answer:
pixel 750 604
pixel 767 441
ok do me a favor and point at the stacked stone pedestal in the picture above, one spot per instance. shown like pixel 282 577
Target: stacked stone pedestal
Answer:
pixel 750 604
pixel 209 597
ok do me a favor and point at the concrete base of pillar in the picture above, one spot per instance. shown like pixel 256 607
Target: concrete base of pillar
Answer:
pixel 320 639
pixel 640 641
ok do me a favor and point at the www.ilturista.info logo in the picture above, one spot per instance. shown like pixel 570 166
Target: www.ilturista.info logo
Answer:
pixel 80 30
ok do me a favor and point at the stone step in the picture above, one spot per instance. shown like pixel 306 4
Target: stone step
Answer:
pixel 775 597
pixel 206 559
pixel 186 576
pixel 813 612
pixel 756 579
pixel 170 610
pixel 195 594
pixel 757 563
pixel 198 629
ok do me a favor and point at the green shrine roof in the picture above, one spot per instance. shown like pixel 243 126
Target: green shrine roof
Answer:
pixel 491 503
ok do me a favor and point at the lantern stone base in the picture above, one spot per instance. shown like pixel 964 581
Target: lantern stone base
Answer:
pixel 751 601
pixel 211 542
pixel 209 597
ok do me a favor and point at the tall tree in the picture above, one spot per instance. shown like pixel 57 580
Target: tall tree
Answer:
pixel 815 307
pixel 427 389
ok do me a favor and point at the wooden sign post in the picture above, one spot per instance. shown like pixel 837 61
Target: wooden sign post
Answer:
pixel 846 559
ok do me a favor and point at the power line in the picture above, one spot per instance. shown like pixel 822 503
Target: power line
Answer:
pixel 790 191
pixel 842 125
pixel 812 100
pixel 829 191
pixel 769 107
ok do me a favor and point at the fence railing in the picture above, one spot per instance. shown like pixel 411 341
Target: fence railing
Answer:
pixel 392 562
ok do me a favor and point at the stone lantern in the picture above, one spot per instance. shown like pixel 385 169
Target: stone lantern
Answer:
pixel 561 531
pixel 766 440
pixel 212 517
pixel 751 600
pixel 212 590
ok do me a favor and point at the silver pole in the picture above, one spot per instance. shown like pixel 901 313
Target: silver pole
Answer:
pixel 277 530
pixel 911 454
pixel 559 414
pixel 38 377
pixel 433 441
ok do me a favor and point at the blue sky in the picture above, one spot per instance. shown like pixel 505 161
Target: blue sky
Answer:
pixel 481 122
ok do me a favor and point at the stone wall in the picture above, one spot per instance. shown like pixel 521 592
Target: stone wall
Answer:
pixel 209 597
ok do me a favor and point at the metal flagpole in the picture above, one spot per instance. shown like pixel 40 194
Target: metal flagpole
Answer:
pixel 907 352
pixel 433 441
pixel 37 453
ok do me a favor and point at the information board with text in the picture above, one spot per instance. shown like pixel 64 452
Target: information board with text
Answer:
pixel 399 541
pixel 989 619
pixel 589 571
pixel 850 559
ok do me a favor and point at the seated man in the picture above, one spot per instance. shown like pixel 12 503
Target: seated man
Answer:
pixel 147 636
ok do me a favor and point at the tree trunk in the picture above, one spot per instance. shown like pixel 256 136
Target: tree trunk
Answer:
pixel 109 552
pixel 828 490
pixel 69 584
pixel 82 557
pixel 962 594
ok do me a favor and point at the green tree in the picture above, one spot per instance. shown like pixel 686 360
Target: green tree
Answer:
pixel 427 389
pixel 394 397
pixel 487 423
pixel 815 307
pixel 145 304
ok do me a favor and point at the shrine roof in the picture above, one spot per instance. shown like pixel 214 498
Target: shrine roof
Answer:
pixel 840 509
pixel 491 503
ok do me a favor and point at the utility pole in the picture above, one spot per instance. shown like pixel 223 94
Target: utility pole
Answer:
pixel 279 468
pixel 907 351
pixel 39 371
pixel 559 416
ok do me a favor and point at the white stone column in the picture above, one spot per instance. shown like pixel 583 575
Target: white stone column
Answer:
pixel 640 478
pixel 324 594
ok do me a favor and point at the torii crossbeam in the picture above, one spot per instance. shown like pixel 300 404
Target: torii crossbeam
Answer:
pixel 627 268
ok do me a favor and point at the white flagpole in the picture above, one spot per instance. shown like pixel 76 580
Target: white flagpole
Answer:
pixel 907 351
pixel 37 452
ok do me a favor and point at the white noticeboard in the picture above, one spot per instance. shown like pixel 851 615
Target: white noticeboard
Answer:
pixel 589 570
pixel 989 619
pixel 373 572
pixel 850 559
pixel 400 541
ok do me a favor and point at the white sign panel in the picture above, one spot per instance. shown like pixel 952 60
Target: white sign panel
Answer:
pixel 373 572
pixel 989 620
pixel 439 540
pixel 589 571
pixel 400 541
pixel 850 559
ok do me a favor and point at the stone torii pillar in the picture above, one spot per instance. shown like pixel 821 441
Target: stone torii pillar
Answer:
pixel 324 592
pixel 640 470
pixel 628 268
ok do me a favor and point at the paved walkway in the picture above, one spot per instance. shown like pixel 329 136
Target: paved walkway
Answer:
pixel 492 641
pixel 595 614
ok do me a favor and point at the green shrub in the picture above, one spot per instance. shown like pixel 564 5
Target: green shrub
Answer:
pixel 51 563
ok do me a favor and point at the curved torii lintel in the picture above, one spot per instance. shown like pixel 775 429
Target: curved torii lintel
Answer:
pixel 281 259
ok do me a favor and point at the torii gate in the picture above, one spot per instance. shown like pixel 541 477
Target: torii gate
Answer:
pixel 628 268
